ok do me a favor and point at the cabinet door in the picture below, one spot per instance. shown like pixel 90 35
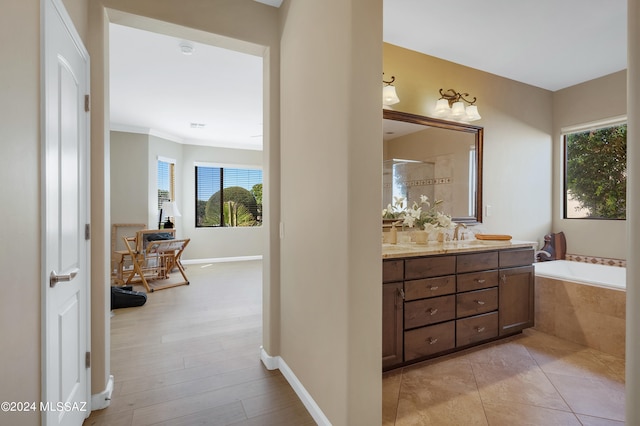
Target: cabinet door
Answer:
pixel 392 310
pixel 516 308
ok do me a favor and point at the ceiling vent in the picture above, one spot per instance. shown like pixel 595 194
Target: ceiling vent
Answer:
pixel 187 48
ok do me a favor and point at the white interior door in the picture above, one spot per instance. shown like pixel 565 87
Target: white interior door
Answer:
pixel 66 389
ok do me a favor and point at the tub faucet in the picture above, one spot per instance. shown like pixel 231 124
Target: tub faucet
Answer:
pixel 457 230
pixel 542 255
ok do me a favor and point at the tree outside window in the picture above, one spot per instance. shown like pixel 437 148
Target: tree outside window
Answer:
pixel 228 197
pixel 596 173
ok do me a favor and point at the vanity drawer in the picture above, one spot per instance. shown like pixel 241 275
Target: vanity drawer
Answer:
pixel 477 261
pixel 429 311
pixel 476 302
pixel 429 340
pixel 477 280
pixel 511 258
pixel 426 267
pixel 476 329
pixel 392 270
pixel 430 287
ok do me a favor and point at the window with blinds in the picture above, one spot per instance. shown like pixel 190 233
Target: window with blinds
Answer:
pixel 166 181
pixel 228 197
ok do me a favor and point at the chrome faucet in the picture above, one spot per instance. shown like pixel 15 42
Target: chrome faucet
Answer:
pixel 455 232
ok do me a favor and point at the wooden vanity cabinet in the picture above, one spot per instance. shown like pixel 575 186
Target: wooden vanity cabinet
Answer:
pixel 477 298
pixel 392 312
pixel 438 304
pixel 516 291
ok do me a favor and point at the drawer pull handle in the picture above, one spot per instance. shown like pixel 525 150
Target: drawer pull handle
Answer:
pixel 432 311
pixel 481 281
pixel 431 340
pixel 479 329
pixel 433 287
pixel 479 302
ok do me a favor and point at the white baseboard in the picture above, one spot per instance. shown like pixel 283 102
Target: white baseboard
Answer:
pixel 220 259
pixel 102 400
pixel 276 362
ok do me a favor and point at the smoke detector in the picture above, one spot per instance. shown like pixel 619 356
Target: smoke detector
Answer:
pixel 186 47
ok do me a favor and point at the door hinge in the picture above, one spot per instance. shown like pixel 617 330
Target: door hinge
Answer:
pixel 87 359
pixel 87 103
pixel 87 231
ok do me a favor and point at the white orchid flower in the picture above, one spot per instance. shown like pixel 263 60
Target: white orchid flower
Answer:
pixel 424 199
pixel 409 220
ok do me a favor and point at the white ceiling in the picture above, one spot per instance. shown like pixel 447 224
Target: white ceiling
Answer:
pixel 551 44
pixel 155 88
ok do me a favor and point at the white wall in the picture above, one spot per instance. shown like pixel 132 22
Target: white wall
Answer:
pixel 129 177
pixel 517 121
pixel 207 243
pixel 330 187
pixel 134 189
pixel 591 101
pixel 22 279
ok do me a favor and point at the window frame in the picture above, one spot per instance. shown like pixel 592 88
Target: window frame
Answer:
pixel 564 132
pixel 172 179
pixel 221 166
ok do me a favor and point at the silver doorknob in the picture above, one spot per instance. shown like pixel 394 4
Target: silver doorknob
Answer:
pixel 55 278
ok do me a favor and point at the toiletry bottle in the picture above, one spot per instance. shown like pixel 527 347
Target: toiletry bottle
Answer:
pixel 393 235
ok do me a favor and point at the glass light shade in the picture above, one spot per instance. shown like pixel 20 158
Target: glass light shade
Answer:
pixel 442 107
pixel 472 113
pixel 457 110
pixel 389 96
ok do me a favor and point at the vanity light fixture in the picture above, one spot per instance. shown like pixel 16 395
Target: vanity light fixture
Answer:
pixel 389 96
pixel 452 105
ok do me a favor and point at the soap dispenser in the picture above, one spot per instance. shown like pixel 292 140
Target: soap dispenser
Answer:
pixel 393 234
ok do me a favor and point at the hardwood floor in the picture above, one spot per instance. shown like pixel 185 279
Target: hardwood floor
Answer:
pixel 190 356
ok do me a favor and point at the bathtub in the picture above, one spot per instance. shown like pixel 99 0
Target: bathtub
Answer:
pixel 583 303
pixel 585 273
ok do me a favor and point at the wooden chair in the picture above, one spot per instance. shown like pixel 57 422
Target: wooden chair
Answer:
pixel 155 257
pixel 120 259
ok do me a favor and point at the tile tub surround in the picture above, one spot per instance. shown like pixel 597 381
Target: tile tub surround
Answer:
pixel 596 260
pixel 530 378
pixel 583 314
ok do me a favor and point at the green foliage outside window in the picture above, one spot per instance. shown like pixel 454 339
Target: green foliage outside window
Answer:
pixel 239 208
pixel 596 173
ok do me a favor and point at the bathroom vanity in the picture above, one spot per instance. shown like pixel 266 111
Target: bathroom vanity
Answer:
pixel 443 297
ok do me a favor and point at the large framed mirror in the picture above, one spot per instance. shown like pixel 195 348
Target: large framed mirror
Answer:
pixel 437 158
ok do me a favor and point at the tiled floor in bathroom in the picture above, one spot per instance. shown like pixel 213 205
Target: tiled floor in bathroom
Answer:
pixel 528 379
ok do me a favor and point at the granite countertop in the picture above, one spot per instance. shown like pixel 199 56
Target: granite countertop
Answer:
pixel 409 249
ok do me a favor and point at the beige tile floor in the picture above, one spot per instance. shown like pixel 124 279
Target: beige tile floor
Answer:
pixel 528 379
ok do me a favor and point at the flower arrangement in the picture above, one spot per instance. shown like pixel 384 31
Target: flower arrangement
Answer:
pixel 421 215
